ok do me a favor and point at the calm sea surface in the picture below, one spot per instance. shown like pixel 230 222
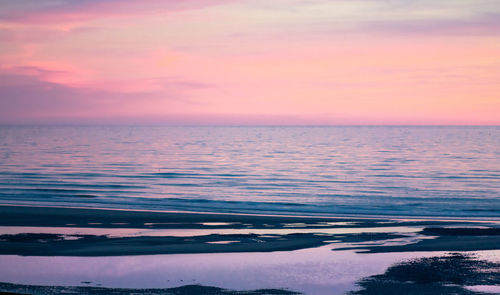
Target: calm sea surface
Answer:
pixel 404 171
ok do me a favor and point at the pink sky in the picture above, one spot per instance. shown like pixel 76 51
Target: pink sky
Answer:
pixel 250 62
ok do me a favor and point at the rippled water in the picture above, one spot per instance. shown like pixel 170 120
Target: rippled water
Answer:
pixel 409 171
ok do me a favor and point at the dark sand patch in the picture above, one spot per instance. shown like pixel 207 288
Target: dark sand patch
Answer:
pixel 443 243
pixel 447 239
pixel 434 275
pixel 184 290
pixel 442 239
pixel 28 244
pixel 61 217
pixel 461 231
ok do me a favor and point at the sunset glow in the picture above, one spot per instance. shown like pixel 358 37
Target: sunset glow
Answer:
pixel 250 62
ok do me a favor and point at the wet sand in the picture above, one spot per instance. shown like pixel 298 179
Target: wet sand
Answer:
pixel 286 233
pixel 455 273
pixel 108 218
pixel 48 231
pixel 184 290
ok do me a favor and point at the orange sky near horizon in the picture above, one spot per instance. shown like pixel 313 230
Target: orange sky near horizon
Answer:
pixel 250 62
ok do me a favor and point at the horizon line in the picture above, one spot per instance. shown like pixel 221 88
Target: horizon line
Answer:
pixel 234 125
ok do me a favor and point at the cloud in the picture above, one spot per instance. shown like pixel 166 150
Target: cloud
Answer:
pixel 325 17
pixel 130 58
pixel 60 11
pixel 488 24
pixel 25 96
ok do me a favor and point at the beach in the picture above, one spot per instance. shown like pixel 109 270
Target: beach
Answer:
pixel 99 236
pixel 249 210
pixel 249 147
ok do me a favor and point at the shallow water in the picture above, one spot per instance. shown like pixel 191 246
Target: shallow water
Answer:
pixel 135 232
pixel 403 171
pixel 313 271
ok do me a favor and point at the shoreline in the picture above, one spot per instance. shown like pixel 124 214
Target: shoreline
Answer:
pixel 49 231
pixel 164 242
pixel 479 219
pixel 20 289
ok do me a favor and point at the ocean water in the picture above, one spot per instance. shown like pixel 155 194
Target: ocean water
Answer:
pixel 396 171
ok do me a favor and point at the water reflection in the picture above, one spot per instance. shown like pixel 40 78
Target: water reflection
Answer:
pixel 426 171
pixel 134 232
pixel 314 271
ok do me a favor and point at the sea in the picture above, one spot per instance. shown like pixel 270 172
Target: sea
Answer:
pixel 408 171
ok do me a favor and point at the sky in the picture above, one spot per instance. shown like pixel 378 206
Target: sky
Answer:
pixel 250 62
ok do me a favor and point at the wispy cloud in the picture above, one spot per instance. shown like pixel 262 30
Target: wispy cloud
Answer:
pixel 25 94
pixel 57 11
pixel 486 25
